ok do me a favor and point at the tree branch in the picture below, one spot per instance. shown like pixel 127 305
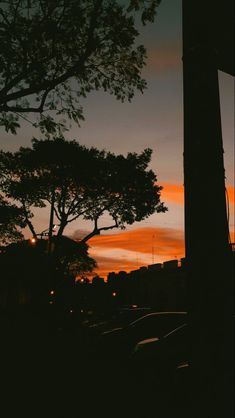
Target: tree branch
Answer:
pixel 29 223
pixel 61 206
pixel 78 214
pixel 12 83
pixel 4 17
pixel 6 108
pixel 73 206
pixel 97 231
pixel 57 214
pixel 51 84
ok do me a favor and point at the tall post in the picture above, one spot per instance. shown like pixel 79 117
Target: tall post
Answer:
pixel 208 252
pixel 50 234
pixel 51 222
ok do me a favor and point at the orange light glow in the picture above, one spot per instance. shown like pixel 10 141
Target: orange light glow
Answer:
pixel 231 194
pixel 175 193
pixel 168 244
pixel 167 241
pixel 172 193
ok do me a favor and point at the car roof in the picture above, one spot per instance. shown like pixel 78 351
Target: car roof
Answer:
pixel 156 314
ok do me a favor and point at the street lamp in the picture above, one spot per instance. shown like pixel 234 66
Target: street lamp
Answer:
pixel 33 240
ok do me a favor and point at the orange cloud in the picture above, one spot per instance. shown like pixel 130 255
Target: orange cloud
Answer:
pixel 173 193
pixel 166 241
pixel 231 194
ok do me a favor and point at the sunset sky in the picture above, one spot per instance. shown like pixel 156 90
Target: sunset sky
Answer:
pixel 154 120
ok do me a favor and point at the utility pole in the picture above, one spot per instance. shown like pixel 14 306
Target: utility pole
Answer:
pixel 208 253
pixel 51 222
pixel 50 235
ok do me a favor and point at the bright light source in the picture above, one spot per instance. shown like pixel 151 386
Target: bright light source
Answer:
pixel 52 292
pixel 33 240
pixel 71 311
pixel 114 294
pixel 82 280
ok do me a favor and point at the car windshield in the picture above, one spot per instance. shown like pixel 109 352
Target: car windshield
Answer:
pixel 178 333
pixel 157 324
pixel 158 316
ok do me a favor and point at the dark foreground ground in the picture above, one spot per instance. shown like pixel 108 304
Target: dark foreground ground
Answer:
pixel 50 373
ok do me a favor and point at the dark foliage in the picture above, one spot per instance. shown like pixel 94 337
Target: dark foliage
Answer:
pixel 53 53
pixel 86 184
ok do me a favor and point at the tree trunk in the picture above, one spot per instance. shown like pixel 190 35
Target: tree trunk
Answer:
pixel 63 224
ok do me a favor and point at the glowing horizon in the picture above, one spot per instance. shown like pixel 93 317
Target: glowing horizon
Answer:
pixel 145 245
pixel 152 241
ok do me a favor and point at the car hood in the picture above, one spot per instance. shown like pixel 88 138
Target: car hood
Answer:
pixel 112 331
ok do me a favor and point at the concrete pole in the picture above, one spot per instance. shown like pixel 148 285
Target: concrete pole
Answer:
pixel 208 252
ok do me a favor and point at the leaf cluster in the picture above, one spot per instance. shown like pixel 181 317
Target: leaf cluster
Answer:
pixel 53 53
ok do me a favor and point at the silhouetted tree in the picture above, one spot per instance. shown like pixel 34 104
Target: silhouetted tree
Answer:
pixel 85 184
pixel 11 219
pixel 29 265
pixel 70 257
pixel 45 44
pixel 24 269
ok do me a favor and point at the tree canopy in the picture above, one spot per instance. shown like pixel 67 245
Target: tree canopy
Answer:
pixel 11 219
pixel 46 44
pixel 70 259
pixel 80 183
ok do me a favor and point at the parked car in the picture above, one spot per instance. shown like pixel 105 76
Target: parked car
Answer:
pixel 161 366
pixel 120 341
pixel 109 320
pixel 156 360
